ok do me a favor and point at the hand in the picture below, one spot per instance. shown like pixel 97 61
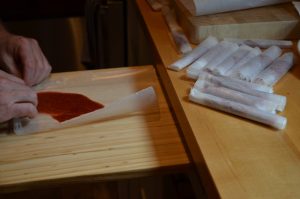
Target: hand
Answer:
pixel 23 58
pixel 16 98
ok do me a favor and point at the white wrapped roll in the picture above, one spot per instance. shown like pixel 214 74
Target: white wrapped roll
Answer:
pixel 262 43
pixel 211 54
pixel 239 109
pixel 179 37
pixel 236 96
pixel 155 5
pixel 297 6
pixel 190 57
pixel 232 83
pixel 228 63
pixel 181 41
pixel 205 7
pixel 245 87
pixel 231 48
pixel 192 73
pixel 251 54
pixel 273 73
pixel 252 68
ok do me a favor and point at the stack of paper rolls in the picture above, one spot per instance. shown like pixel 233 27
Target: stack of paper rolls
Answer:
pixel 239 79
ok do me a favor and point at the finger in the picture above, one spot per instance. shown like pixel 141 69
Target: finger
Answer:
pixel 10 66
pixel 44 67
pixel 46 70
pixel 25 96
pixel 37 67
pixel 27 59
pixel 12 92
pixel 23 110
pixel 11 77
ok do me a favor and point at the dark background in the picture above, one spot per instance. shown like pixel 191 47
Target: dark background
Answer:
pixel 81 34
pixel 39 9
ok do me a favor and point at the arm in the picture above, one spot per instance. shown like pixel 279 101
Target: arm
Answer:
pixel 22 57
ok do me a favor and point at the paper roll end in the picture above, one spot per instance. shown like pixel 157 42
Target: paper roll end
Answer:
pixel 281 123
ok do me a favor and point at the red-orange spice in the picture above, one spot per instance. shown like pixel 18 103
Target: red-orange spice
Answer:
pixel 64 106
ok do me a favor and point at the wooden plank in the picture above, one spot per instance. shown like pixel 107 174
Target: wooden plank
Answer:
pixel 138 143
pixel 270 22
pixel 236 158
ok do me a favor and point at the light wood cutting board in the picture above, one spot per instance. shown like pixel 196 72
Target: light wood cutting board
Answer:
pixel 138 144
pixel 270 22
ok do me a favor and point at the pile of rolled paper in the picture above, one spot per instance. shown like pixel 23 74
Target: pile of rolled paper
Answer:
pixel 236 76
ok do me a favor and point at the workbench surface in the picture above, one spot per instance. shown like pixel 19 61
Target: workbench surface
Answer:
pixel 236 157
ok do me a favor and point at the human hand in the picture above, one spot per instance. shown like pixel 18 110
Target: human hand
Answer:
pixel 23 58
pixel 16 98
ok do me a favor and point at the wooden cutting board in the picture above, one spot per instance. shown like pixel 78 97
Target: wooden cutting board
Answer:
pixel 270 22
pixel 138 144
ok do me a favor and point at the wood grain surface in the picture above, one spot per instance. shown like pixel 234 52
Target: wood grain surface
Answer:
pixel 235 157
pixel 270 22
pixel 138 144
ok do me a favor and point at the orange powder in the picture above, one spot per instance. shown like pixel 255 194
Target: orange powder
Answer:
pixel 64 106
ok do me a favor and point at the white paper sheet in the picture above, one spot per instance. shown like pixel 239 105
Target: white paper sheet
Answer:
pixel 140 101
pixel 205 7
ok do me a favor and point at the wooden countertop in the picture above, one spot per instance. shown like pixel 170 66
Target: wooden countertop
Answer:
pixel 138 144
pixel 235 157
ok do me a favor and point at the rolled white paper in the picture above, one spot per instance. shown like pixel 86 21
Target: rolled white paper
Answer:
pixel 190 57
pixel 273 73
pixel 232 83
pixel 211 54
pixel 205 7
pixel 178 35
pixel 252 68
pixel 297 6
pixel 251 54
pixel 233 59
pixel 245 87
pixel 155 5
pixel 239 109
pixel 236 96
pixel 262 43
pixel 230 49
pixel 181 41
pixel 192 73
